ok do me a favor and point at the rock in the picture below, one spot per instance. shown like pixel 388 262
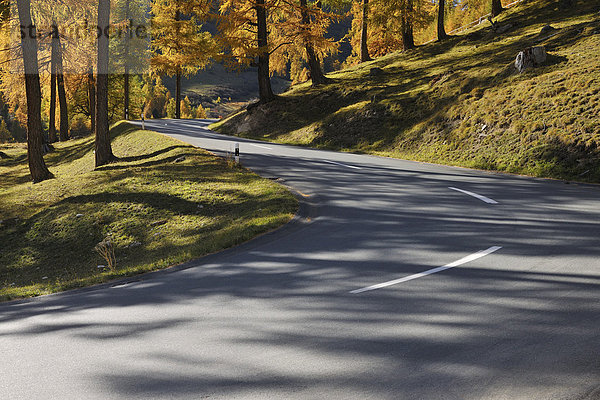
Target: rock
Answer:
pixel 530 58
pixel 547 29
pixel 376 72
pixel 78 215
pixel 180 159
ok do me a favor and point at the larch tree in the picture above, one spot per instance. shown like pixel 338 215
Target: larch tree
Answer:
pixel 46 14
pixel 52 112
pixel 374 34
pixel 364 34
pixel 58 74
pixel 91 85
pixel 313 28
pixel 179 46
pixel 245 35
pixel 299 28
pixel 130 46
pixel 126 67
pixel 37 167
pixel 496 8
pixel 441 32
pixel 104 154
pixel 407 25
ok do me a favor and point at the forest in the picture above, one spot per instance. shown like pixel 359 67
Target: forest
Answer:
pixel 69 68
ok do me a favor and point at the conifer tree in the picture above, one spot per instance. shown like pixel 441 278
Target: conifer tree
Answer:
pixel 104 153
pixel 407 25
pixel 179 45
pixel 391 25
pixel 37 166
pixel 299 28
pixel 130 46
pixel 364 34
pixel 52 112
pixel 57 61
pixel 441 32
pixel 244 33
pixel 496 8
pixel 313 27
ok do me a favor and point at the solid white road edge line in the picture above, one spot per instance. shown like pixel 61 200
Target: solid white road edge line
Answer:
pixel 462 261
pixel 343 165
pixel 477 196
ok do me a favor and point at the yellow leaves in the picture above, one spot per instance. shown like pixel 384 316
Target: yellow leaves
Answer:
pixel 288 34
pixel 179 44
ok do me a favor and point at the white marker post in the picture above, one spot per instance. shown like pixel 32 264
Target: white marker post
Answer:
pixel 143 123
pixel 237 153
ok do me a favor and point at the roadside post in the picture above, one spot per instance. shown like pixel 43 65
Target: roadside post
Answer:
pixel 143 122
pixel 237 153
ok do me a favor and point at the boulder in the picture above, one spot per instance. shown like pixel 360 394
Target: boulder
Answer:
pixel 530 58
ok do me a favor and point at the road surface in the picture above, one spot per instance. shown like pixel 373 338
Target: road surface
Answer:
pixel 398 280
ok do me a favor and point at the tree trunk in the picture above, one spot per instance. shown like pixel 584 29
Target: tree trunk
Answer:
pixel 52 113
pixel 92 98
pixel 126 95
pixel 178 95
pixel 264 74
pixel 364 47
pixel 314 64
pixel 126 67
pixel 177 76
pixel 62 96
pixel 35 158
pixel 408 40
pixel 496 8
pixel 104 153
pixel 441 32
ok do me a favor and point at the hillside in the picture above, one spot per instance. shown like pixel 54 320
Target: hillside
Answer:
pixel 461 102
pixel 163 203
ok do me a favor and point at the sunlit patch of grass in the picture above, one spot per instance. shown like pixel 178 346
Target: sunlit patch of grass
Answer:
pixel 460 101
pixel 163 203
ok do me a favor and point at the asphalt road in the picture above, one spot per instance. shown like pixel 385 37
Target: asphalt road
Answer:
pixel 294 314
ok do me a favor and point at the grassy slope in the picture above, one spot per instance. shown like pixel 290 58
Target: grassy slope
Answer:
pixel 158 210
pixel 460 102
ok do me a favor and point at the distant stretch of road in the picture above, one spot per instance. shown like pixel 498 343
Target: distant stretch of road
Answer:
pixel 397 280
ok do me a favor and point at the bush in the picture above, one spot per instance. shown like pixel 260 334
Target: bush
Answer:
pixel 5 135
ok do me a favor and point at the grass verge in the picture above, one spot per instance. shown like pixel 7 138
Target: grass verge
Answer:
pixel 162 204
pixel 461 102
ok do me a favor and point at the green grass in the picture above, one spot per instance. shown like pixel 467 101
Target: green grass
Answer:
pixel 162 204
pixel 460 102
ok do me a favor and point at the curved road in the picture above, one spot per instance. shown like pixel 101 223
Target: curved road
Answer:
pixel 402 280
